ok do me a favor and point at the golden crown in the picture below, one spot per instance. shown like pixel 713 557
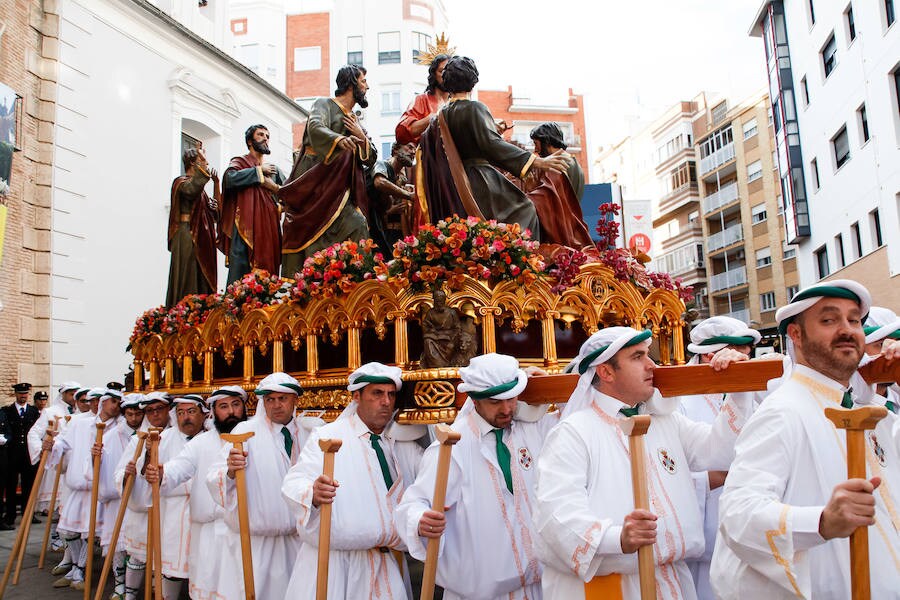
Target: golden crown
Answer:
pixel 441 46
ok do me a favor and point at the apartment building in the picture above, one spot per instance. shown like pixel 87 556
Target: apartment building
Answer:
pixel 750 270
pixel 834 83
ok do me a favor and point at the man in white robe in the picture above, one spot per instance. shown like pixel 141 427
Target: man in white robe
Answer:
pixel 156 407
pixel 588 529
pixel 707 338
pixel 77 445
pixel 63 404
pixel 487 548
pixel 227 405
pixel 267 456
pixel 882 328
pixel 372 469
pixel 788 507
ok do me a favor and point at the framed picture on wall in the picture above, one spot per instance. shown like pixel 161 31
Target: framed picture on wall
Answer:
pixel 10 129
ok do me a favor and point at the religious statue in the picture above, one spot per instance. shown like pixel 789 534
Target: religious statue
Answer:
pixel 389 200
pixel 327 187
pixel 192 229
pixel 426 105
pixel 440 331
pixel 249 234
pixel 467 342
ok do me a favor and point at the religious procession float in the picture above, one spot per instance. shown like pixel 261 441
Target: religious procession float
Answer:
pixel 454 289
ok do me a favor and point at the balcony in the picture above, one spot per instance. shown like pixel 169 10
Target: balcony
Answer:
pixel 726 237
pixel 728 279
pixel 717 159
pixel 726 195
pixel 740 315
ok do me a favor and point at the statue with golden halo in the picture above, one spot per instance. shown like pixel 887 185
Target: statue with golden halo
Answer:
pixel 427 104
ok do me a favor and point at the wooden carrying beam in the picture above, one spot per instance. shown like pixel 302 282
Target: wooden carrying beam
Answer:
pixel 685 380
pixel 881 371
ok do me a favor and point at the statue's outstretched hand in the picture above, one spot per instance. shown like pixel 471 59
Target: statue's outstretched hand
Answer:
pixel 558 161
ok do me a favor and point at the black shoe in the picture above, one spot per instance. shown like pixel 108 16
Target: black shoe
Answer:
pixel 35 520
pixel 6 527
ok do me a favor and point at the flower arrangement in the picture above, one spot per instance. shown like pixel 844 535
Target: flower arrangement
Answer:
pixel 254 290
pixel 336 270
pixel 626 267
pixel 455 247
pixel 152 321
pixel 191 311
pixel 565 266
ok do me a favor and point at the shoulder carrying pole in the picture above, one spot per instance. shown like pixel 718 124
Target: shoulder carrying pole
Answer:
pixel 92 524
pixel 856 422
pixel 155 520
pixel 329 447
pixel 447 437
pixel 240 480
pixel 120 517
pixel 635 428
pixel 57 477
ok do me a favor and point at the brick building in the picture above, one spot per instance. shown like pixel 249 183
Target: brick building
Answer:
pixel 28 49
pixel 524 116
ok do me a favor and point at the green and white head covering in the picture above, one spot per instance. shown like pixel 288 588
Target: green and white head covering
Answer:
pixel 374 372
pixel 132 401
pixel 155 397
pixel 716 333
pixel 882 323
pixel 278 383
pixel 226 392
pixel 67 386
pixel 195 399
pixel 81 392
pixel 492 375
pixel 807 298
pixel 598 349
pixel 110 393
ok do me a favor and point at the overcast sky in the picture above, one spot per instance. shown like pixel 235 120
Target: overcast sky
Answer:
pixel 628 58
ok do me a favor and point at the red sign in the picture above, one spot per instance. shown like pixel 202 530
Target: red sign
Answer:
pixel 640 242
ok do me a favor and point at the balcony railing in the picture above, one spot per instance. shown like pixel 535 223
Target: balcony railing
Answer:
pixel 726 237
pixel 726 195
pixel 728 279
pixel 717 159
pixel 740 315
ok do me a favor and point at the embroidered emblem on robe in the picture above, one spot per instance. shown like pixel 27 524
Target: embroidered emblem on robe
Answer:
pixel 525 459
pixel 877 449
pixel 667 461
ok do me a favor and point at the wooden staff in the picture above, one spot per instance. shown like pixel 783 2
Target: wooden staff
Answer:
pixel 881 371
pixel 329 447
pixel 148 562
pixel 684 380
pixel 92 524
pixel 447 437
pixel 635 428
pixel 21 541
pixel 46 540
pixel 120 517
pixel 240 480
pixel 856 421
pixel 155 528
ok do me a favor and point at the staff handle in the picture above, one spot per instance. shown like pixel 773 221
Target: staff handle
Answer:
pixel 155 519
pixel 856 422
pixel 240 480
pixel 446 437
pixel 329 447
pixel 92 524
pixel 635 428
pixel 120 517
pixel 56 479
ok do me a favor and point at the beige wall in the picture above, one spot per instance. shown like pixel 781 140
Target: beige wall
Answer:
pixel 872 271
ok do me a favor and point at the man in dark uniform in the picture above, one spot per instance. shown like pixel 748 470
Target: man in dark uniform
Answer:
pixel 20 416
pixel 4 439
pixel 40 401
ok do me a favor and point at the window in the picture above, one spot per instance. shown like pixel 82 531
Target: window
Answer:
pixel 758 214
pixel 839 250
pixel 693 216
pixel 754 171
pixel 386 143
pixel 889 17
pixel 308 59
pixel 851 24
pixel 389 48
pixel 420 42
pixel 896 75
pixel 750 129
pixel 829 55
pixel 804 87
pixel 249 55
pixel 355 50
pixel 821 256
pixel 390 103
pixel 812 13
pixel 763 258
pixel 875 224
pixel 719 113
pixel 814 174
pixel 841 145
pixel 789 252
pixel 863 119
pixel 792 291
pixel 856 241
pixel 767 302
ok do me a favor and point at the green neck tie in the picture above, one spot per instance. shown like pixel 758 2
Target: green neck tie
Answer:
pixel 382 461
pixel 503 457
pixel 847 400
pixel 630 412
pixel 890 406
pixel 288 440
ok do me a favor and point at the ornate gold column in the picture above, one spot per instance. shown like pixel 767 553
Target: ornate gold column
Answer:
pixel 208 367
pixel 354 353
pixel 678 343
pixel 138 375
pixel 665 354
pixel 488 333
pixel 170 371
pixel 248 363
pixel 401 340
pixel 548 332
pixel 188 368
pixel 277 355
pixel 154 374
pixel 312 354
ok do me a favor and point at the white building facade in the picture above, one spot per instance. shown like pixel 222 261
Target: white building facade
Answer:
pixel 834 75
